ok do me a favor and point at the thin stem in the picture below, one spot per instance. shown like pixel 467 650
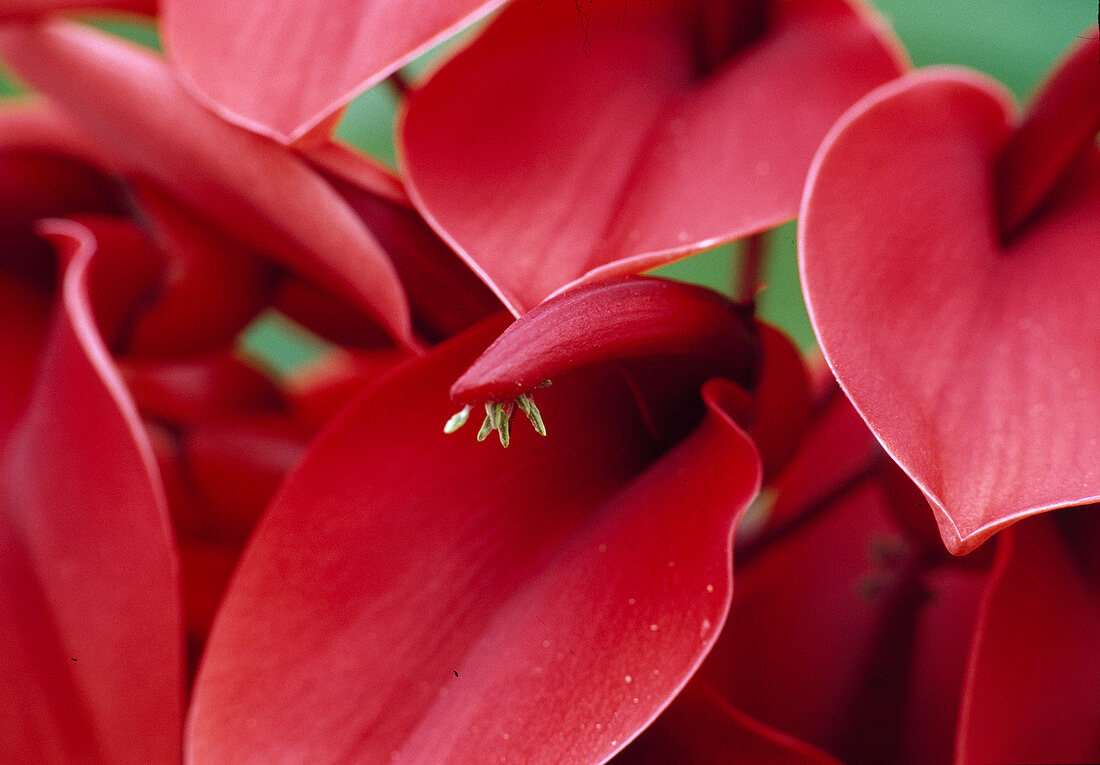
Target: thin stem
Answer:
pixel 397 81
pixel 750 266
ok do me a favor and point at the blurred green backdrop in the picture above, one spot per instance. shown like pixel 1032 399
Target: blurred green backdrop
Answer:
pixel 1014 41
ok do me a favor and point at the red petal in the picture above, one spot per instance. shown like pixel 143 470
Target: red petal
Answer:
pixel 237 463
pixel 782 400
pixel 581 158
pixel 1063 120
pixel 842 635
pixel 27 9
pixel 425 596
pixel 34 124
pixel 213 287
pixel 186 390
pixel 283 69
pixel 445 295
pixel 38 185
pixel 1033 686
pixel 255 190
pixel 320 388
pixel 975 365
pixel 92 654
pixel 702 728
pixel 127 269
pixel 623 319
pixel 806 621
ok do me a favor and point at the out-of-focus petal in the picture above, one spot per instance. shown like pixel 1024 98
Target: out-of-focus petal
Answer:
pixel 91 647
pixel 444 599
pixel 237 463
pixel 1033 686
pixel 845 635
pixel 975 364
pixel 186 390
pixel 702 728
pixel 1064 117
pixel 783 401
pixel 32 123
pixel 29 9
pixel 320 388
pixel 284 69
pixel 212 287
pixel 445 295
pixel 255 190
pixel 575 141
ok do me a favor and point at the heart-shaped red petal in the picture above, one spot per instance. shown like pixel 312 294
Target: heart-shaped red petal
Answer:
pixel 976 364
pixel 587 140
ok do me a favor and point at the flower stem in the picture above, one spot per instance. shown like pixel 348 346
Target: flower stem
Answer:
pixel 750 267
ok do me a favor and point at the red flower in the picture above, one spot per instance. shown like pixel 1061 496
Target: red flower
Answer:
pixel 946 259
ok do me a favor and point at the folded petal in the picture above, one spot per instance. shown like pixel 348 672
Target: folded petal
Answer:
pixel 418 596
pixel 256 191
pixel 975 363
pixel 553 148
pixel 1033 685
pixel 284 69
pixel 91 648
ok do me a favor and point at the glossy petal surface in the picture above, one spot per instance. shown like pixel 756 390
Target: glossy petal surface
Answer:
pixel 251 188
pixel 442 598
pixel 606 146
pixel 90 648
pixel 977 365
pixel 282 69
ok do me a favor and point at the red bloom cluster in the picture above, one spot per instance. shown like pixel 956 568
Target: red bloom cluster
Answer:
pixel 700 549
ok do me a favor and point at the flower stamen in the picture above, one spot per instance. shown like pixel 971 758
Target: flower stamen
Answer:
pixel 498 417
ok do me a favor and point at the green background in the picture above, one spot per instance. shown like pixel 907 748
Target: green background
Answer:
pixel 1014 41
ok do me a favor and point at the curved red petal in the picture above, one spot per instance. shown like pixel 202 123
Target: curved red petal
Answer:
pixel 256 191
pixel 1033 685
pixel 630 318
pixel 583 159
pixel 975 365
pixel 284 69
pixel 437 598
pixel 843 635
pixel 92 664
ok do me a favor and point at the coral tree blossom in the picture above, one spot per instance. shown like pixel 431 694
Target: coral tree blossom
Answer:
pixel 408 593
